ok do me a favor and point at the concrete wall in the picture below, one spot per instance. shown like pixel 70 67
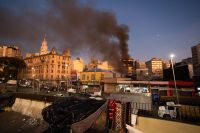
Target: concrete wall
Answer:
pixel 150 125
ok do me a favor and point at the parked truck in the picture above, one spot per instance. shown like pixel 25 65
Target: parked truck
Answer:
pixel 169 111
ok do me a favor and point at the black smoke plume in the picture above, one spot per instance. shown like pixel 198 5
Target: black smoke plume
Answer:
pixel 69 24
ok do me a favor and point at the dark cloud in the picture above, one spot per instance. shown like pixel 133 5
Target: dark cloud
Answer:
pixel 73 25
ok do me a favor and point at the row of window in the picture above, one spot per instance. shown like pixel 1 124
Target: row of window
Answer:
pixel 93 77
pixel 58 76
pixel 46 57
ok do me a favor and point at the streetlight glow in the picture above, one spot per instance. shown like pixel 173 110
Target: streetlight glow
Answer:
pixel 172 55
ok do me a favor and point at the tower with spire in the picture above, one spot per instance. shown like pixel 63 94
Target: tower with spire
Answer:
pixel 44 47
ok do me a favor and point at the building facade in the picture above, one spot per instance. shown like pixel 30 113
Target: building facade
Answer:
pixel 183 72
pixel 155 67
pixel 10 51
pixel 140 65
pixel 48 65
pixel 78 65
pixel 95 76
pixel 196 66
pixel 196 59
pixel 142 74
pixel 95 63
pixel 127 67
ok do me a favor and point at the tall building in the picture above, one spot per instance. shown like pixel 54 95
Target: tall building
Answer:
pixel 140 65
pixel 155 67
pixel 10 51
pixel 128 68
pixel 196 66
pixel 196 60
pixel 48 65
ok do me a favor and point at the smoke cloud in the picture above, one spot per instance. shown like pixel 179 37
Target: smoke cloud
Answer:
pixel 71 25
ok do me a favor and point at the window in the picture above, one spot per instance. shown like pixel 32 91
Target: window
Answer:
pixel 52 61
pixel 51 71
pixel 92 77
pixel 102 76
pixel 83 77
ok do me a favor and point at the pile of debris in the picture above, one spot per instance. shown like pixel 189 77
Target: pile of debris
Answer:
pixel 61 114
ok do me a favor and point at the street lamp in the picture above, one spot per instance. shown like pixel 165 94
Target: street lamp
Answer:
pixel 33 70
pixel 66 78
pixel 171 58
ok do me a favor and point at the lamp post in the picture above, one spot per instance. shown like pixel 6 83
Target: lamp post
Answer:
pixel 33 70
pixel 95 69
pixel 67 76
pixel 171 59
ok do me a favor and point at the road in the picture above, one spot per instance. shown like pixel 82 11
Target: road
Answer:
pixel 13 122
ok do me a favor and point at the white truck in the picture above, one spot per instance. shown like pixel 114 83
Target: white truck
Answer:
pixel 169 111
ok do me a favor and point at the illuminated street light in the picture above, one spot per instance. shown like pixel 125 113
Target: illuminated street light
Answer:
pixel 171 57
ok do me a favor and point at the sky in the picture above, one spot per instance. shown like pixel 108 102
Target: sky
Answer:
pixel 157 28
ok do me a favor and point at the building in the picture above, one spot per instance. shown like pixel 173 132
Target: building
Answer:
pixel 78 64
pixel 128 68
pixel 44 47
pixel 140 65
pixel 182 70
pixel 48 66
pixel 77 67
pixel 10 51
pixel 155 67
pixel 98 64
pixel 196 65
pixel 166 64
pixel 142 74
pixel 94 77
pixel 187 60
pixel 163 88
pixel 196 59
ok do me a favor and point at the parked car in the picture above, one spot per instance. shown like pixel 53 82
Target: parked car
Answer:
pixel 11 85
pixel 71 90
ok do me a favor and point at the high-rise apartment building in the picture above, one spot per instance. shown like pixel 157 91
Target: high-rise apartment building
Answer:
pixel 196 60
pixel 140 65
pixel 196 66
pixel 155 67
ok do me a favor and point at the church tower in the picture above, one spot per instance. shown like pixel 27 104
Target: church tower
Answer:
pixel 44 47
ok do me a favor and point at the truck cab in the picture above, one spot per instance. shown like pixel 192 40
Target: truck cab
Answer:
pixel 169 111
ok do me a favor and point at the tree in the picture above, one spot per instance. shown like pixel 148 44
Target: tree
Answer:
pixel 10 67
